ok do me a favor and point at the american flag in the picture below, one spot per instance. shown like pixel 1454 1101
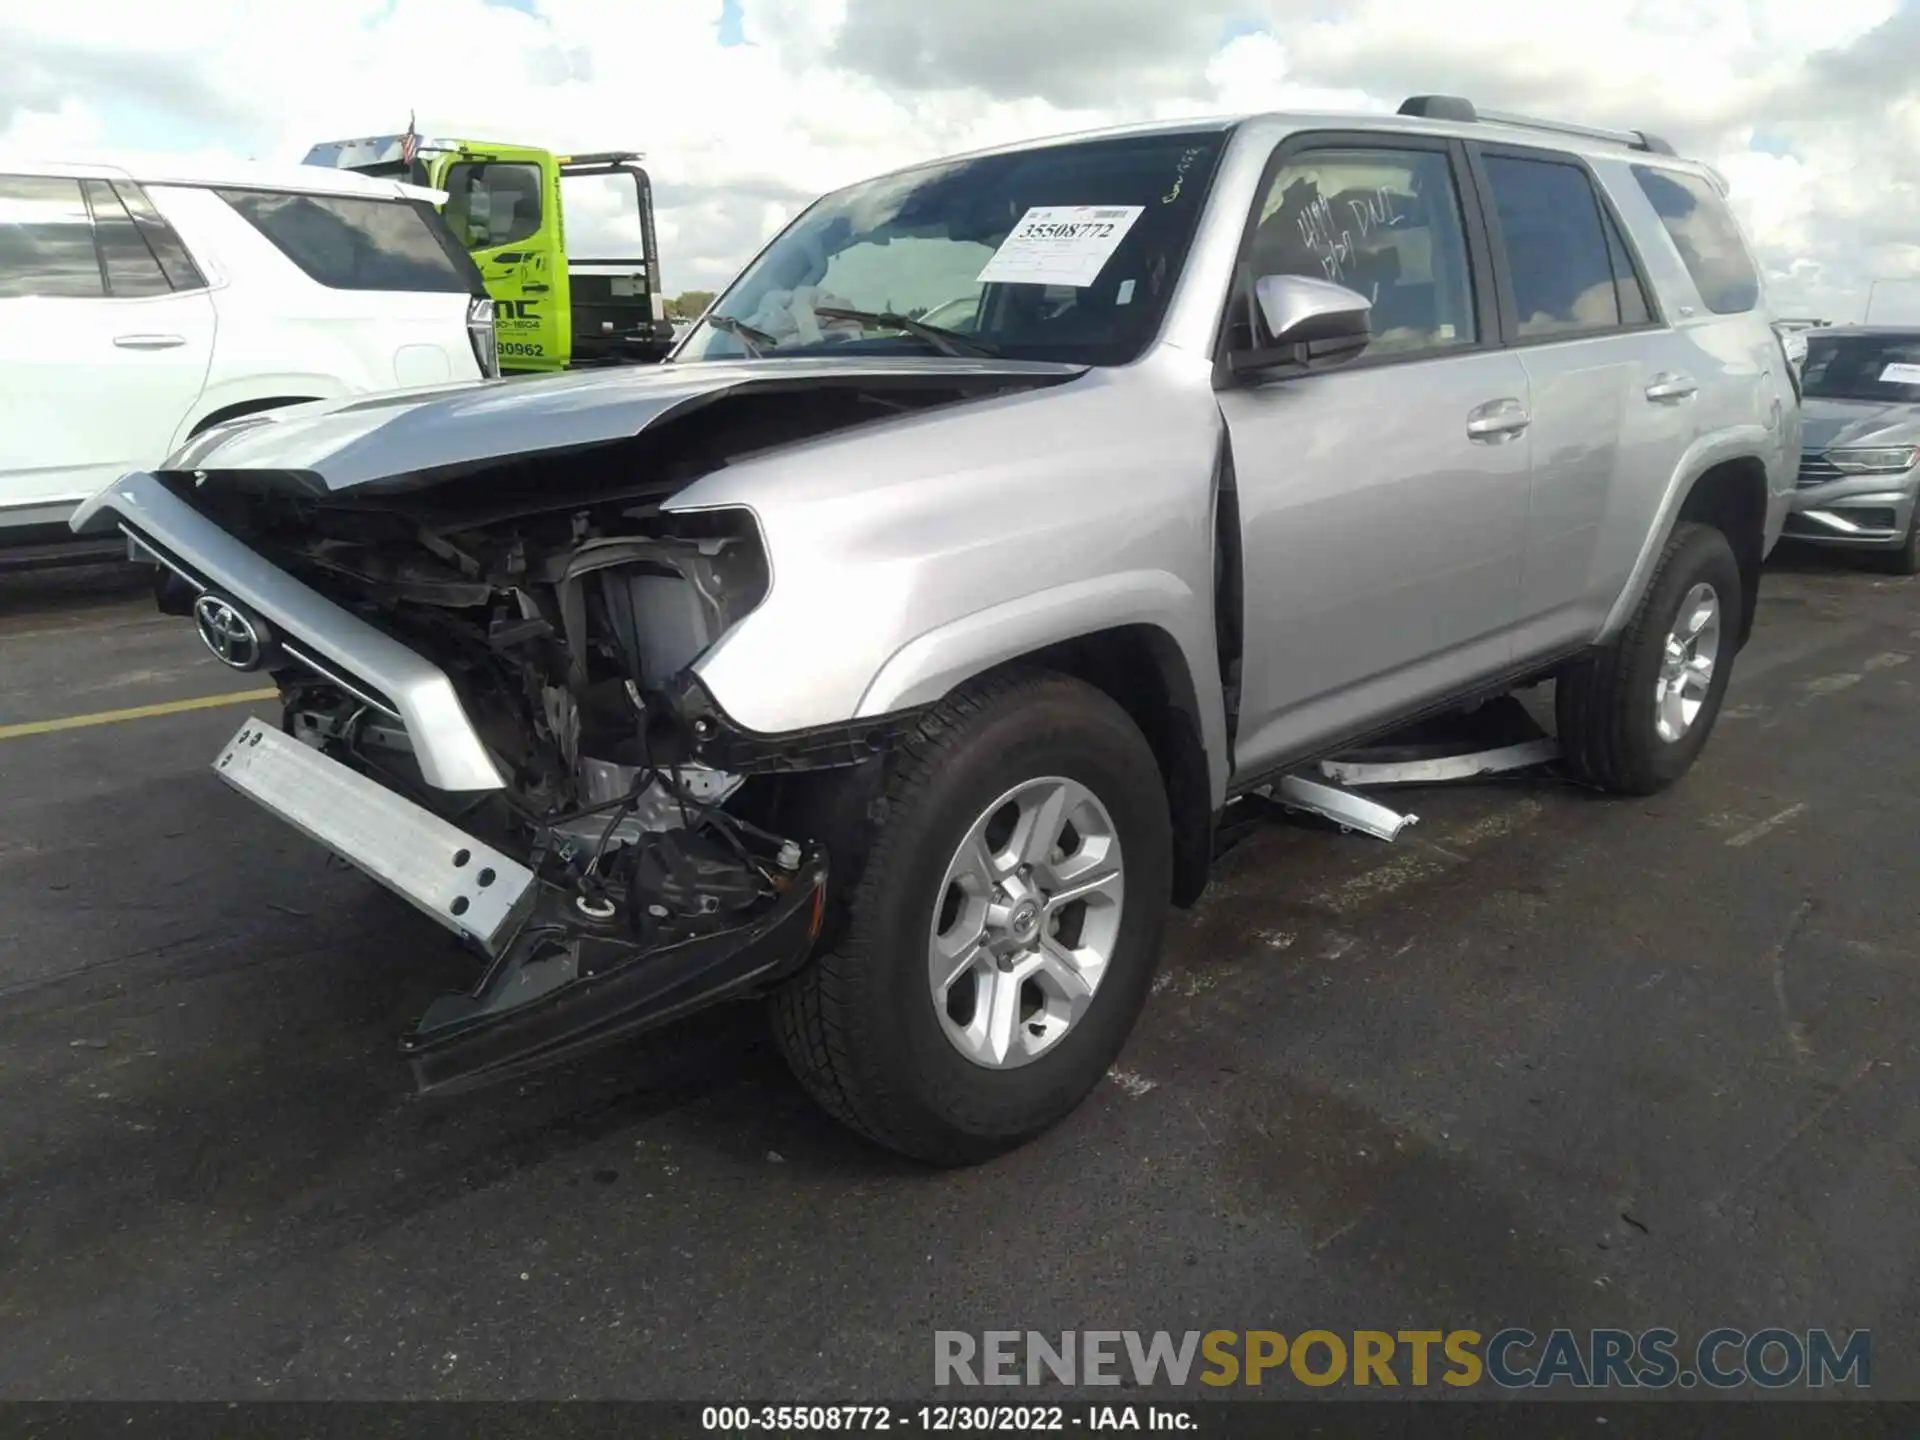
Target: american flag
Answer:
pixel 409 142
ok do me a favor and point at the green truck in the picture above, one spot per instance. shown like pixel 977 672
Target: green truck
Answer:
pixel 511 206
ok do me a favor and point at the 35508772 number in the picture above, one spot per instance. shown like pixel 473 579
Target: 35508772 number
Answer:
pixel 785 1419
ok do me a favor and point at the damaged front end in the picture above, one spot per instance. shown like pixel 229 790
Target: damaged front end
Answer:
pixel 617 878
pixel 484 611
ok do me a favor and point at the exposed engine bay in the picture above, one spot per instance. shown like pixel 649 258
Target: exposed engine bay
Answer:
pixel 567 630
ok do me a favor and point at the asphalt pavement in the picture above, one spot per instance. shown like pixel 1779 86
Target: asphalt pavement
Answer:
pixel 1547 1060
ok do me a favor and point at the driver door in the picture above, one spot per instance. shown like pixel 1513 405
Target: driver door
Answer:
pixel 504 206
pixel 1383 504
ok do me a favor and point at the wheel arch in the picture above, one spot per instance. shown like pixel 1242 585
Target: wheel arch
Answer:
pixel 1731 496
pixel 1723 482
pixel 1142 668
pixel 242 408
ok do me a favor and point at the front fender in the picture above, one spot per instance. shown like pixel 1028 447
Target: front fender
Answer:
pixel 937 662
pixel 909 555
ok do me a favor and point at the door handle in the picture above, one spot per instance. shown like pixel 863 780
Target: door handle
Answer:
pixel 1669 385
pixel 149 342
pixel 1497 420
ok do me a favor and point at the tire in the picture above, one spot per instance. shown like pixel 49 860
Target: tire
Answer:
pixel 1905 558
pixel 860 1025
pixel 1606 704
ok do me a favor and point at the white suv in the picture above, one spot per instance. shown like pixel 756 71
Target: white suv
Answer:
pixel 141 303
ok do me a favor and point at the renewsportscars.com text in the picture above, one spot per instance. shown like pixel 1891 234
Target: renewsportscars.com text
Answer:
pixel 1511 1358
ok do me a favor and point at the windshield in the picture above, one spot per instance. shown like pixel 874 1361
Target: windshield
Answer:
pixel 1885 368
pixel 1068 252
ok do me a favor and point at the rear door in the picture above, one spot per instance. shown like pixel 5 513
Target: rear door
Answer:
pixel 1382 504
pixel 1613 397
pixel 504 205
pixel 612 263
pixel 103 348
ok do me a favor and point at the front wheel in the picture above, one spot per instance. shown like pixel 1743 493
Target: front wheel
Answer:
pixel 1002 937
pixel 1905 558
pixel 1634 717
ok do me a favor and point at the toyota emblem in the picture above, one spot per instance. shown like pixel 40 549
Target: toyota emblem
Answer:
pixel 227 633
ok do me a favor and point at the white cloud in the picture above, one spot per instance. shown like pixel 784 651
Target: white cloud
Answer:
pixel 1812 111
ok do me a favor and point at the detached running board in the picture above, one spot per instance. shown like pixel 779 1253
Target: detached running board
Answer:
pixel 1335 802
pixel 1498 738
pixel 1443 769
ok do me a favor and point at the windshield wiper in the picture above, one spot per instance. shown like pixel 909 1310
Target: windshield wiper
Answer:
pixel 758 342
pixel 947 342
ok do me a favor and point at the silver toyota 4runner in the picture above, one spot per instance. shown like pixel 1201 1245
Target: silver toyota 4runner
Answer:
pixel 893 651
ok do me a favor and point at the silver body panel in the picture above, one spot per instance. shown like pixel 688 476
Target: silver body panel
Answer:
pixel 456 880
pixel 1389 559
pixel 342 444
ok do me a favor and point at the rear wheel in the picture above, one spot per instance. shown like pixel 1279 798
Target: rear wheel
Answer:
pixel 1633 718
pixel 1002 937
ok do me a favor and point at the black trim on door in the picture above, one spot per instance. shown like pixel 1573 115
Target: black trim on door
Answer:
pixel 1509 325
pixel 1474 220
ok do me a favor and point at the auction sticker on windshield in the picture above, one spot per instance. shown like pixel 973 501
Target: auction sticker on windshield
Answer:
pixel 1895 374
pixel 1060 245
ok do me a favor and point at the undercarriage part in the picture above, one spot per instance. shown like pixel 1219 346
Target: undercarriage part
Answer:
pixel 565 986
pixel 682 882
pixel 654 808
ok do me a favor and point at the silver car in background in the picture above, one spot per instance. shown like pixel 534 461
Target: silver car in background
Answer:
pixel 1860 433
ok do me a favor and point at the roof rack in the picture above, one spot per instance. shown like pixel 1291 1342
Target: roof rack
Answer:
pixel 1463 111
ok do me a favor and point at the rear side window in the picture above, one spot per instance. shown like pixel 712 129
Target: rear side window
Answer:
pixel 1704 232
pixel 132 271
pixel 1560 264
pixel 349 243
pixel 46 239
pixel 166 246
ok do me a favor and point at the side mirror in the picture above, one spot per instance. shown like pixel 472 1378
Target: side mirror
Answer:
pixel 1308 324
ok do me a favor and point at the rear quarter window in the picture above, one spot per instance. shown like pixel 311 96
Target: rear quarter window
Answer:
pixel 1703 230
pixel 350 243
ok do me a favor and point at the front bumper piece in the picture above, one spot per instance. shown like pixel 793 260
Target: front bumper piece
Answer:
pixel 1863 511
pixel 557 983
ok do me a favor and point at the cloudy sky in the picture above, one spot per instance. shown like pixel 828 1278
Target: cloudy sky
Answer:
pixel 748 108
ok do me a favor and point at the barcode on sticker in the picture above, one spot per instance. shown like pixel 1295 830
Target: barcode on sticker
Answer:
pixel 1106 214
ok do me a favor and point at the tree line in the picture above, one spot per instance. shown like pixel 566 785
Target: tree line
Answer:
pixel 689 304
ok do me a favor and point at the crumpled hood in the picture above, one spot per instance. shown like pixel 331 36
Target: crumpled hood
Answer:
pixel 347 443
pixel 1825 424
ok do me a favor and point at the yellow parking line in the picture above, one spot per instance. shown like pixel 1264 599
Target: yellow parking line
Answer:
pixel 137 712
